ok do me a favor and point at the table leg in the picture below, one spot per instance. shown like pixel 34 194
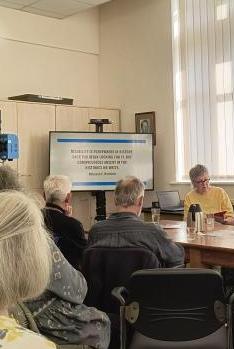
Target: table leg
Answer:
pixel 196 258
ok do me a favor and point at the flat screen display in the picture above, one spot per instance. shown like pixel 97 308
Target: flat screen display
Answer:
pixel 96 161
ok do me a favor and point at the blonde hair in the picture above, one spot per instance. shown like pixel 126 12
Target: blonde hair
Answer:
pixel 56 188
pixel 128 190
pixel 25 257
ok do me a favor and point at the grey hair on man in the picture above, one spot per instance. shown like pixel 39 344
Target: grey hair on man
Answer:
pixel 24 249
pixel 56 188
pixel 9 178
pixel 128 190
pixel 197 171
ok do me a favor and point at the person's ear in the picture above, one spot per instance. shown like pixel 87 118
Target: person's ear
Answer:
pixel 139 204
pixel 68 207
pixel 140 201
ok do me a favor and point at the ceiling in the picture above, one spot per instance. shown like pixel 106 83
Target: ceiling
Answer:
pixel 52 8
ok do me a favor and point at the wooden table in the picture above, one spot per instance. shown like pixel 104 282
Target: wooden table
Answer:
pixel 165 215
pixel 204 250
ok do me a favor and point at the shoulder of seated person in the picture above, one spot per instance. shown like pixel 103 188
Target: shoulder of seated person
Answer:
pixel 73 221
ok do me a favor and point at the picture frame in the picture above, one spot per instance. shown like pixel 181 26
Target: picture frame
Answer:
pixel 145 123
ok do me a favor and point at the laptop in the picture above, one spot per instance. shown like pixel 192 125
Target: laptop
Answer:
pixel 170 201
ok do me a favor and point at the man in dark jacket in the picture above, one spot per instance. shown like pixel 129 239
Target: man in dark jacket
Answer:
pixel 125 229
pixel 68 232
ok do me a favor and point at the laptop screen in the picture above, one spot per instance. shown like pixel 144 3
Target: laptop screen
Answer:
pixel 168 199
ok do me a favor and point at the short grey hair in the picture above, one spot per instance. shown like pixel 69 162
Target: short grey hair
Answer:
pixel 197 171
pixel 56 188
pixel 9 178
pixel 25 257
pixel 128 190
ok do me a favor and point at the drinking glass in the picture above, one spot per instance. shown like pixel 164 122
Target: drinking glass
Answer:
pixel 155 213
pixel 210 221
pixel 191 233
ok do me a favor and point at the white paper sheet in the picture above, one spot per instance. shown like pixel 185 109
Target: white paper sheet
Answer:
pixel 172 225
pixel 222 233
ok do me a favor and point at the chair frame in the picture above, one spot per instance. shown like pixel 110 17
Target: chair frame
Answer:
pixel 128 313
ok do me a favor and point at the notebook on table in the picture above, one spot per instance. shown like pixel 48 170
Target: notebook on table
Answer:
pixel 170 201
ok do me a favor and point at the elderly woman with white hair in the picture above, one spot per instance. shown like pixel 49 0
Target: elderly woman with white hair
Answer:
pixel 24 268
pixel 212 199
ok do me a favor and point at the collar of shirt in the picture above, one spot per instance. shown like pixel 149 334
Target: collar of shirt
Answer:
pixel 54 207
pixel 123 215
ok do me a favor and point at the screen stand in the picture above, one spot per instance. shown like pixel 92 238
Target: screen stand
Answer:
pixel 100 195
pixel 100 205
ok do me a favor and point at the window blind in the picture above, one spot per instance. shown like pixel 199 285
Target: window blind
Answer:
pixel 203 56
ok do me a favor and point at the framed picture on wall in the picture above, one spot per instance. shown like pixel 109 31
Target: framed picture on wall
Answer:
pixel 145 123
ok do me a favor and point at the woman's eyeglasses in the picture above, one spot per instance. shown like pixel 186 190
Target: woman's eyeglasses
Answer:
pixel 203 181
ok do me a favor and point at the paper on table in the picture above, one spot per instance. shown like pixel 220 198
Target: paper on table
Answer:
pixel 222 233
pixel 172 225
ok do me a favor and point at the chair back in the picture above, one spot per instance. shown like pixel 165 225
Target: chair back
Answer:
pixel 105 268
pixel 177 308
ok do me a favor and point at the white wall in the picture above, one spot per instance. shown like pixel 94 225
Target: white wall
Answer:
pixel 136 72
pixel 49 56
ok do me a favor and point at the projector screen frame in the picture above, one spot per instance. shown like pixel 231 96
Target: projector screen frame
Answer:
pixel 90 132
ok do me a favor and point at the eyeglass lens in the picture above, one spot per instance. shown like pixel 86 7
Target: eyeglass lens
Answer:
pixel 202 181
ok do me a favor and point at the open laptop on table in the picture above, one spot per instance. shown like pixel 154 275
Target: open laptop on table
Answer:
pixel 169 201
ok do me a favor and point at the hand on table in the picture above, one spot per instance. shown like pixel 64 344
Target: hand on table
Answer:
pixel 229 220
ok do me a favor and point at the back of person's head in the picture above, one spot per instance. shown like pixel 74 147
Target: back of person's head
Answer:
pixel 56 188
pixel 25 257
pixel 197 171
pixel 128 190
pixel 9 178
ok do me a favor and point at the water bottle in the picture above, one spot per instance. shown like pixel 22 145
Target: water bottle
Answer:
pixel 195 218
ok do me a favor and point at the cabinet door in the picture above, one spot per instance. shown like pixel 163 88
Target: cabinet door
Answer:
pixel 81 208
pixel 112 114
pixel 9 124
pixel 71 118
pixel 34 123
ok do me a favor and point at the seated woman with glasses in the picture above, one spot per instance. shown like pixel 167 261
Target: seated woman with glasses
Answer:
pixel 211 199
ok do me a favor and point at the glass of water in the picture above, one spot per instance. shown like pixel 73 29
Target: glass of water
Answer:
pixel 155 213
pixel 191 234
pixel 210 222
